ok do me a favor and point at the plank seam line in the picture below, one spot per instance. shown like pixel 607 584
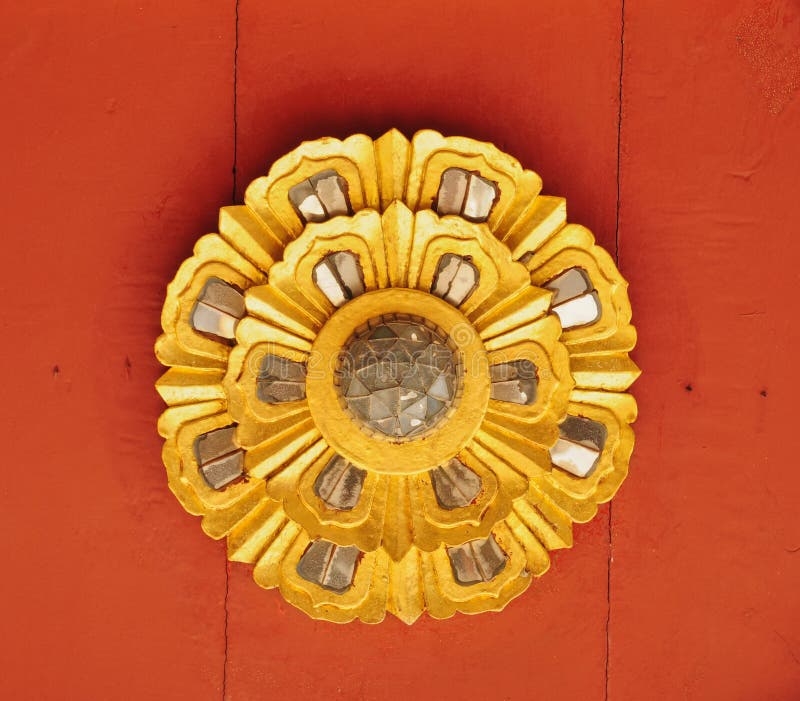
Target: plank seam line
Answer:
pixel 225 632
pixel 235 96
pixel 616 256
pixel 619 129
pixel 233 199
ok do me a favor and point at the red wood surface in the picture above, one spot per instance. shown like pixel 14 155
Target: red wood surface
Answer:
pixel 121 125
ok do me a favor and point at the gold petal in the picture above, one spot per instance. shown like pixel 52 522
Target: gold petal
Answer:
pixel 187 471
pixel 190 385
pixel 527 305
pixel 397 534
pixel 180 426
pixel 445 596
pixel 499 275
pixel 366 599
pixel 614 372
pixel 545 217
pixel 283 483
pixel 353 159
pixel 554 381
pixel 517 450
pixel 249 539
pixel 181 344
pixel 170 353
pixel 169 423
pixel 392 155
pixel 579 496
pixel 536 555
pixel 220 523
pixel 361 526
pixel 534 435
pixel 551 526
pixel 251 331
pixel 406 599
pixel 512 483
pixel 279 443
pixel 173 418
pixel 574 247
pixel 267 571
pixel 432 525
pixel 240 227
pixel 361 235
pixel 268 303
pixel 272 434
pixel 254 416
pixel 398 236
pixel 545 331
pixel 432 154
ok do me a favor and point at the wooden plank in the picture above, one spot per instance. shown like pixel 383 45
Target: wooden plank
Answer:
pixel 541 81
pixel 117 147
pixel 705 573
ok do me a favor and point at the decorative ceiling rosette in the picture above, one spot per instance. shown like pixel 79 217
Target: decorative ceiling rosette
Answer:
pixel 397 377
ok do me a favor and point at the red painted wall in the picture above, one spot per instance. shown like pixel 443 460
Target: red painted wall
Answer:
pixel 118 142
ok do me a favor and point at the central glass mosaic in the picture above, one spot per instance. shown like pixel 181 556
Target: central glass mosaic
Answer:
pixel 399 376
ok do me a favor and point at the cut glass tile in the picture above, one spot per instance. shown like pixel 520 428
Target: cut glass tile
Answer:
pixel 311 209
pixel 281 380
pixel 579 311
pixel 219 459
pixel 455 280
pixel 480 199
pixel 339 484
pixel 575 300
pixel 326 279
pixel 455 485
pixel 452 191
pixel 330 566
pixel 579 446
pixel 215 444
pixel 320 197
pixel 218 309
pixel 467 194
pixel 219 473
pixel 339 277
pixel 571 283
pixel 477 561
pixel 514 382
pixel 442 387
pixel 331 189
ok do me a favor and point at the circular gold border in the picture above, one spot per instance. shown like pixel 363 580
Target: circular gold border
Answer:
pixel 339 429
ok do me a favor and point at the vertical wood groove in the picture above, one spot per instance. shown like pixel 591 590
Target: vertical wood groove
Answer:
pixel 233 199
pixel 616 258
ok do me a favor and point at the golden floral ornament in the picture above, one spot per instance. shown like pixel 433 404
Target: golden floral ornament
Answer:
pixel 397 377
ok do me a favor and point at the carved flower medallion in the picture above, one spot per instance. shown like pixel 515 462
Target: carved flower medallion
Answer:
pixel 397 377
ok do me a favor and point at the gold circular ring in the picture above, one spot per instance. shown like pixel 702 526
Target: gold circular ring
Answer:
pixel 345 436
